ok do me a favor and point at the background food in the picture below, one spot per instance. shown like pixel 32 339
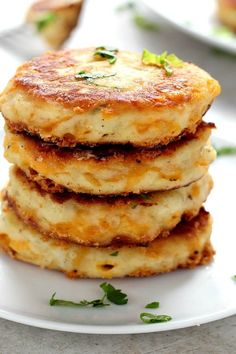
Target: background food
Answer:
pixel 54 19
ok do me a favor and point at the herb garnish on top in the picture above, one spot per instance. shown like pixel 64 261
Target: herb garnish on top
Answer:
pixel 165 61
pixel 82 75
pixel 106 53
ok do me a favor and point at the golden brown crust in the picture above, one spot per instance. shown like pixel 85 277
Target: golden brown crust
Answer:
pixel 112 170
pixel 113 153
pixel 187 247
pixel 139 104
pixel 147 199
pixel 158 91
pixel 69 141
pixel 83 219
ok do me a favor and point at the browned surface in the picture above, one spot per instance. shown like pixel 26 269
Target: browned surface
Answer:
pixel 86 199
pixel 45 78
pixel 184 230
pixel 70 141
pixel 117 241
pixel 104 153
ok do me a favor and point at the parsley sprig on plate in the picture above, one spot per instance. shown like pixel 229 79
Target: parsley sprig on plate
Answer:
pixel 83 303
pixel 112 294
pixel 147 317
pixel 153 305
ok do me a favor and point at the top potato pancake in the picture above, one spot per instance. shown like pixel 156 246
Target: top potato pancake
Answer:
pixel 139 104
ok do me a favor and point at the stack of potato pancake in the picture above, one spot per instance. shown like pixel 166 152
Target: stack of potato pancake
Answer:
pixel 111 162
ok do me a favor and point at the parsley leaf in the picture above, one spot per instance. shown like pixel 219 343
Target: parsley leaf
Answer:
pixel 145 196
pixel 223 31
pixel 114 295
pixel 234 277
pixel 226 150
pixel 129 5
pixel 107 53
pixel 164 60
pixel 82 75
pixel 84 303
pixel 153 305
pixel 134 205
pixel 144 23
pixel 45 20
pixel 114 254
pixel 150 318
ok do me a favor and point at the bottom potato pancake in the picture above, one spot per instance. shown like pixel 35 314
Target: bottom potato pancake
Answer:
pixel 187 246
pixel 101 221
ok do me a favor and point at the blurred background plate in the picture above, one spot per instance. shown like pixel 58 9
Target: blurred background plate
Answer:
pixel 197 18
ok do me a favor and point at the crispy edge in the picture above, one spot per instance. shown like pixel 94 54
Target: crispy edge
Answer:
pixel 203 258
pixel 69 141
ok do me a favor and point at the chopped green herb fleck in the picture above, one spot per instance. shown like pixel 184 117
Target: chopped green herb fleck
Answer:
pixel 114 295
pixel 84 303
pixel 107 53
pixel 150 318
pixel 226 150
pixel 234 277
pixel 114 254
pixel 145 196
pixel 134 205
pixel 82 75
pixel 153 305
pixel 129 5
pixel 43 21
pixel 164 60
pixel 222 31
pixel 144 23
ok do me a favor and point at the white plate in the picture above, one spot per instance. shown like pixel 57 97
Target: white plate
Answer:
pixel 198 18
pixel 191 297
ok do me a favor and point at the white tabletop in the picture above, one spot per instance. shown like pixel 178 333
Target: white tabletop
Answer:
pixel 102 25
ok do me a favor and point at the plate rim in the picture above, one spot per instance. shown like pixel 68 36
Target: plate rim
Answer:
pixel 107 329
